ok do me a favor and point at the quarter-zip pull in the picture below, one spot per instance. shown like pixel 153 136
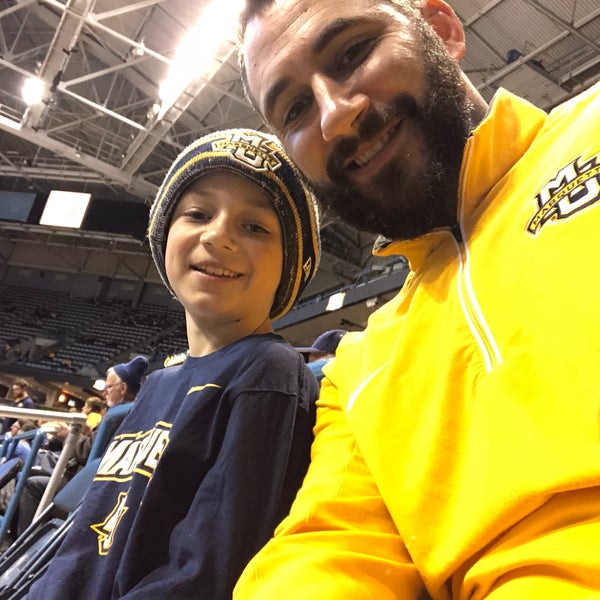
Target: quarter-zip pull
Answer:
pixel 456 232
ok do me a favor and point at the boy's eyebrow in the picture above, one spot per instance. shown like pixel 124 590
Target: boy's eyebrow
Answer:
pixel 321 42
pixel 260 201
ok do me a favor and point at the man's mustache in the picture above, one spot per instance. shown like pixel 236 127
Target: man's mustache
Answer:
pixel 370 126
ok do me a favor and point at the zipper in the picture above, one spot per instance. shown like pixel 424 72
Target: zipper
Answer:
pixel 466 293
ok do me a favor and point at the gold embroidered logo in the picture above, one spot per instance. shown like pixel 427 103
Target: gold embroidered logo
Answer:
pixel 107 528
pixel 574 188
pixel 251 149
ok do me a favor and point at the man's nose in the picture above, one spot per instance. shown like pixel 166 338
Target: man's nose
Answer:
pixel 340 108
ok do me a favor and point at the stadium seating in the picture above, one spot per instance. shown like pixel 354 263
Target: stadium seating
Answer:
pixel 28 556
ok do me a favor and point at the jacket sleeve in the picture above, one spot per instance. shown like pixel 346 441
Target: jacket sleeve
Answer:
pixel 339 541
pixel 244 495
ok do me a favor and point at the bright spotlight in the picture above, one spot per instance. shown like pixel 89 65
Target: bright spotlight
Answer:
pixel 33 91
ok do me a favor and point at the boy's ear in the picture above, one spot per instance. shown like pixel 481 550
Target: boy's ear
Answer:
pixel 446 24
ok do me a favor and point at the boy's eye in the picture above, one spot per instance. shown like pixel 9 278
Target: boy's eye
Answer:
pixel 197 214
pixel 256 228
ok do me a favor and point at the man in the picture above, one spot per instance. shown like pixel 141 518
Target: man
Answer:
pixel 123 382
pixel 457 450
pixel 322 350
pixel 20 400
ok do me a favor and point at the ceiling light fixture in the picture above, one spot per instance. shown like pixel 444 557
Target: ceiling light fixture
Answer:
pixel 196 51
pixel 99 385
pixel 33 91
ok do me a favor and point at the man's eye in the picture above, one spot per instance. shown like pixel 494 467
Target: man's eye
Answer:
pixel 295 111
pixel 355 54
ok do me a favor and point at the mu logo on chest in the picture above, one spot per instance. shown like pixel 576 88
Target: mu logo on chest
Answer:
pixel 574 188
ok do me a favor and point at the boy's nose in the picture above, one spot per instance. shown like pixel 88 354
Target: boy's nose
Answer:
pixel 219 232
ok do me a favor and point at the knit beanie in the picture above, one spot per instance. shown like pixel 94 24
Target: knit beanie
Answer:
pixel 260 158
pixel 132 372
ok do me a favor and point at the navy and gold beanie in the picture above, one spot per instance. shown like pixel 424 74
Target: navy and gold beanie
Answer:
pixel 259 157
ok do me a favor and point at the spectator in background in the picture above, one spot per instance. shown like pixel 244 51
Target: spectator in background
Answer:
pixel 56 434
pixel 123 381
pixel 23 448
pixel 21 451
pixel 93 409
pixel 20 395
pixel 21 399
pixel 322 350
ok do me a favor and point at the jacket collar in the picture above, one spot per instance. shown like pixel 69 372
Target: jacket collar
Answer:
pixel 493 148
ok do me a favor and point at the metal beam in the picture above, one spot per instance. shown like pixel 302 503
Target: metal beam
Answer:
pixel 146 141
pixel 18 6
pixel 131 7
pixel 135 185
pixel 559 21
pixel 58 55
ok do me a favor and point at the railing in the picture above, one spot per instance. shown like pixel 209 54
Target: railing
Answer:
pixel 75 420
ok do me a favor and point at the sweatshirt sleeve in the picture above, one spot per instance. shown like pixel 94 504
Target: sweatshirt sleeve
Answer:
pixel 249 489
pixel 339 541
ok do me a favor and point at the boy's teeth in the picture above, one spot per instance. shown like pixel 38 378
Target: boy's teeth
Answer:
pixel 218 271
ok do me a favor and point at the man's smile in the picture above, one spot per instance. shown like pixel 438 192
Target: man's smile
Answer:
pixel 376 145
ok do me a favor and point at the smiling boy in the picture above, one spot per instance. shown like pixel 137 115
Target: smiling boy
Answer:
pixel 213 452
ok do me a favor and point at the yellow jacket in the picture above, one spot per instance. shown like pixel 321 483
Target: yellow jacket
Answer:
pixel 458 437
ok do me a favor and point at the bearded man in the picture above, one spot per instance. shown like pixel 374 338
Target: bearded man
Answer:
pixel 457 450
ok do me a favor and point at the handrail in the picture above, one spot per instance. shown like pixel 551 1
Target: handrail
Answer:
pixel 76 421
pixel 46 415
pixel 5 520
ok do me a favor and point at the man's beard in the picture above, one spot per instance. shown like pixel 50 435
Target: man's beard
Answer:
pixel 400 204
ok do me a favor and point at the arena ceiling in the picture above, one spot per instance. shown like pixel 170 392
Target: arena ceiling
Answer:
pixel 102 128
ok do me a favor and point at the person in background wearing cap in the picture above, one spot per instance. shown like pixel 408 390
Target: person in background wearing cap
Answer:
pixel 322 350
pixel 119 389
pixel 211 456
pixel 123 381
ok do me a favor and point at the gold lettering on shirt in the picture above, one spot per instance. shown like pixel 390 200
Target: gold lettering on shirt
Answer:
pixel 131 453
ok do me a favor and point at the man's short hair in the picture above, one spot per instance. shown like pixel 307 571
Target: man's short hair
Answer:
pixel 255 7
pixel 20 382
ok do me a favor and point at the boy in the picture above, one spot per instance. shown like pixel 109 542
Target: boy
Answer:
pixel 214 450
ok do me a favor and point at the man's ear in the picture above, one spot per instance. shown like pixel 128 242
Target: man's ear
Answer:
pixel 446 24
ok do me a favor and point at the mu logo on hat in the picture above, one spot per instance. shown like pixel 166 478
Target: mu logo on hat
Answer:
pixel 251 149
